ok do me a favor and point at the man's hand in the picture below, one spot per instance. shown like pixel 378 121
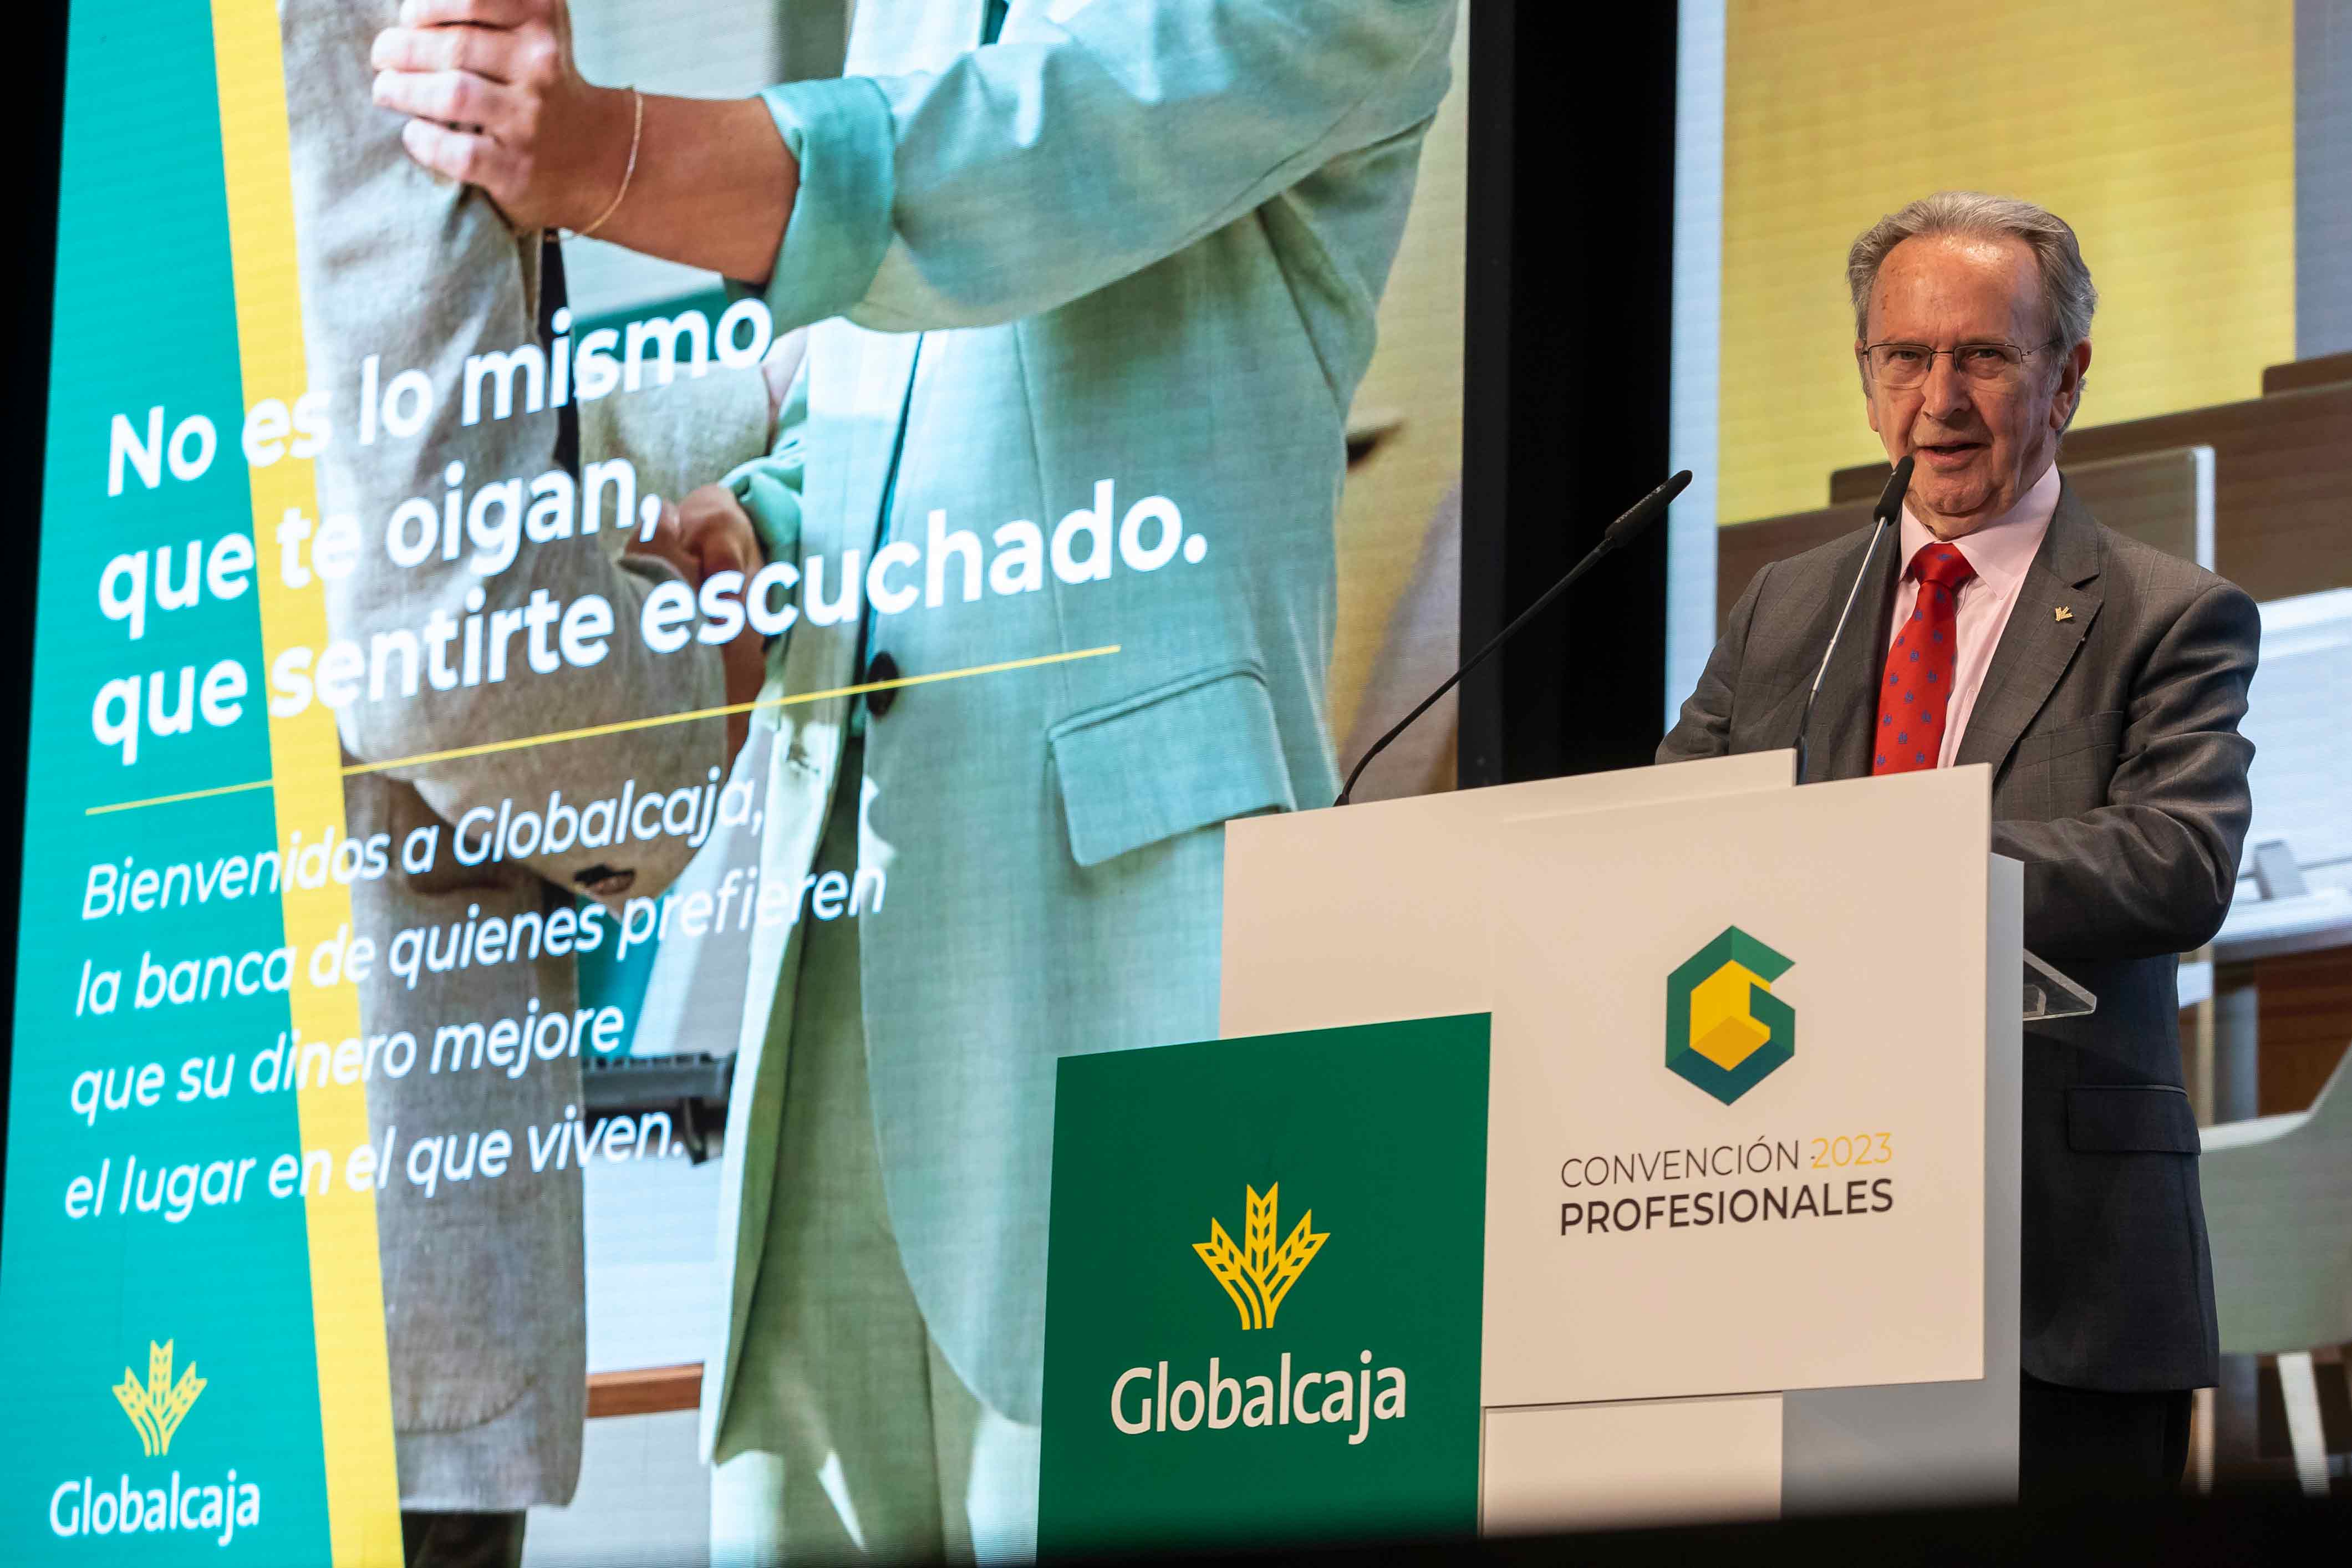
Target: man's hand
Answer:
pixel 498 102
pixel 708 534
pixel 717 532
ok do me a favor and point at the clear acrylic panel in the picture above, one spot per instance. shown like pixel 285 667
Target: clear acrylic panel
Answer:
pixel 2050 994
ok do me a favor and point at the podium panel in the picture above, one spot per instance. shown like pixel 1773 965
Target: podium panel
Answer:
pixel 1595 1466
pixel 1262 1303
pixel 1736 1068
pixel 1747 1162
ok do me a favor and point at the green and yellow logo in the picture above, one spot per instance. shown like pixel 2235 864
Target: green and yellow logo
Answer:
pixel 1258 1275
pixel 157 1407
pixel 1725 1031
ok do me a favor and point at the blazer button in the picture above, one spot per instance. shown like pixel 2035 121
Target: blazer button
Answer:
pixel 883 667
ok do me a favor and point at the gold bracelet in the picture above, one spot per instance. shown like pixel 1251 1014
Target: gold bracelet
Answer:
pixel 636 135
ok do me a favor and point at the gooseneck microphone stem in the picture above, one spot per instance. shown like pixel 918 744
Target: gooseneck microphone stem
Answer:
pixel 1882 516
pixel 1636 518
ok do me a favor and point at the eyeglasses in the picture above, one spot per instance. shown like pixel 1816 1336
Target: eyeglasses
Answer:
pixel 1899 367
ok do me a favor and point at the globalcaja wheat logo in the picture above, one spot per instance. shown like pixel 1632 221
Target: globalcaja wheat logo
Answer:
pixel 86 1507
pixel 1257 1274
pixel 158 1406
pixel 1725 1031
pixel 1288 1389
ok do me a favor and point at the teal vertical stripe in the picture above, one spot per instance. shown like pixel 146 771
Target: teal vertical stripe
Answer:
pixel 145 314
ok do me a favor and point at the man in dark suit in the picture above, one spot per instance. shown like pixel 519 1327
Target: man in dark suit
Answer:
pixel 2103 682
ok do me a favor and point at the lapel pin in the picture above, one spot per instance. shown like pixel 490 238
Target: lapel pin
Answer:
pixel 2062 613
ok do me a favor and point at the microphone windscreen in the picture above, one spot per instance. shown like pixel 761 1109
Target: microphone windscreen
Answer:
pixel 1646 510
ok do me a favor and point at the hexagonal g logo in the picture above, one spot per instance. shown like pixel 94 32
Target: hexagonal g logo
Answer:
pixel 1725 1029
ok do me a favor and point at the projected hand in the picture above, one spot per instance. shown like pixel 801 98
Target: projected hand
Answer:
pixel 716 533
pixel 499 104
pixel 708 534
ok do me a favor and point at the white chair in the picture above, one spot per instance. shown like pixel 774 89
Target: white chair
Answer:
pixel 2278 1202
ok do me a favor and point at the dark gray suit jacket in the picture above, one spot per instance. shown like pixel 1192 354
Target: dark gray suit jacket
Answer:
pixel 2119 779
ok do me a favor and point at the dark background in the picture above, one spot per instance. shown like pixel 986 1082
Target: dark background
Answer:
pixel 1569 310
pixel 31 120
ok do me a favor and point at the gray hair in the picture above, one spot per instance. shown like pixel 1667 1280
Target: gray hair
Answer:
pixel 2067 297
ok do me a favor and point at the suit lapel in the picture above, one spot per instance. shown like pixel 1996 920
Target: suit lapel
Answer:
pixel 1848 705
pixel 2039 643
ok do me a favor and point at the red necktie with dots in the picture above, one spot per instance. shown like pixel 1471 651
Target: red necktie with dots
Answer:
pixel 1916 698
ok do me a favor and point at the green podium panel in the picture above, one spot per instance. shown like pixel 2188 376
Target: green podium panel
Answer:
pixel 1263 1299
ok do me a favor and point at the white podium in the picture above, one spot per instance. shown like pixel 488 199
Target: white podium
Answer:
pixel 1679 961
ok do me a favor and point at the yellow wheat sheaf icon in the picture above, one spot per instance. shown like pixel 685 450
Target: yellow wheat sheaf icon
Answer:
pixel 157 1407
pixel 1258 1275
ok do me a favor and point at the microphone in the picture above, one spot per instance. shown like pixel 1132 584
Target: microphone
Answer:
pixel 1889 507
pixel 1636 518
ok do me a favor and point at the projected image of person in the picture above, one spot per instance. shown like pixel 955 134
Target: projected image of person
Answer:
pixel 481 1276
pixel 1089 288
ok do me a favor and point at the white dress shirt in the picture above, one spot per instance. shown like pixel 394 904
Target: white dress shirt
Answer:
pixel 2000 552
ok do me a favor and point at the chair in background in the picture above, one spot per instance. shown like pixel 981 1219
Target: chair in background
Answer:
pixel 2278 1203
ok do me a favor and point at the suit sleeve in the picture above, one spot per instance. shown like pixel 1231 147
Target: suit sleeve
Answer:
pixel 771 486
pixel 1704 727
pixel 395 262
pixel 1042 168
pixel 2152 871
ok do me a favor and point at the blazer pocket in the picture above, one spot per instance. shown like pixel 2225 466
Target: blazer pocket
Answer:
pixel 2130 1118
pixel 1194 752
pixel 2083 735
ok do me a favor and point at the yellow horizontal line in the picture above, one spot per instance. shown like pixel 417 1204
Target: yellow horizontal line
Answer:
pixel 184 795
pixel 592 732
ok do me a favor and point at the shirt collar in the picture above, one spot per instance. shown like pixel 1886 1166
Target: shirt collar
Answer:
pixel 2002 550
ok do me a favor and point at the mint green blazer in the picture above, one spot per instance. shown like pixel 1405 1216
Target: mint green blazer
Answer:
pixel 1135 241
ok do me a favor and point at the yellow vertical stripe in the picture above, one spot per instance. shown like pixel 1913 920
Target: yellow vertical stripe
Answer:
pixel 346 1285
pixel 2164 132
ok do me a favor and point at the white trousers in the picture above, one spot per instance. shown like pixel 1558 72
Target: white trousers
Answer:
pixel 848 1435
